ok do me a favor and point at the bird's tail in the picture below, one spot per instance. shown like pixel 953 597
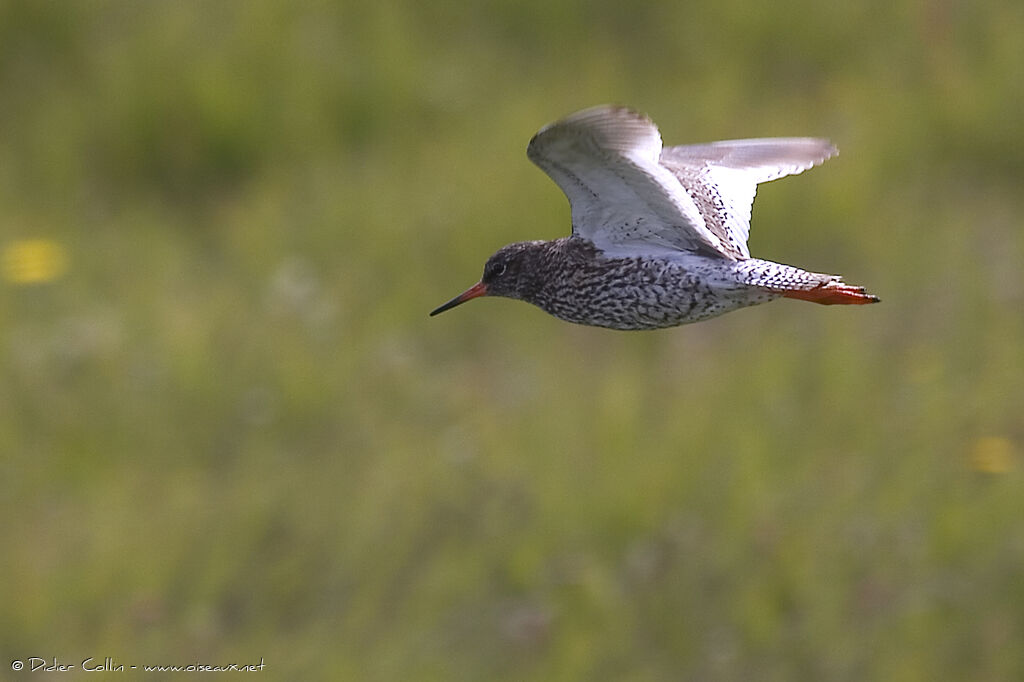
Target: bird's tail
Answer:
pixel 791 282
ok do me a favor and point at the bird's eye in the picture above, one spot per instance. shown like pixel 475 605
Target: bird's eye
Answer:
pixel 500 270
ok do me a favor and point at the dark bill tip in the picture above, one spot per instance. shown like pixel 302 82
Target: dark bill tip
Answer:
pixel 478 289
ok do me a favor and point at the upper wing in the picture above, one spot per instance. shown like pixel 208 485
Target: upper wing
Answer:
pixel 722 177
pixel 607 161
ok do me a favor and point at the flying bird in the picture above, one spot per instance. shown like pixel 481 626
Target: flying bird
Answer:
pixel 659 234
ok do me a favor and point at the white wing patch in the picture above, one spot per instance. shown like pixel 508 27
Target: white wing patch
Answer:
pixel 629 196
pixel 606 160
pixel 722 177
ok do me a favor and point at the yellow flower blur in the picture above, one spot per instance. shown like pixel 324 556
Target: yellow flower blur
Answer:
pixel 993 455
pixel 33 261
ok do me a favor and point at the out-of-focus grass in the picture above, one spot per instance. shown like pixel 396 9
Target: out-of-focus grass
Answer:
pixel 229 430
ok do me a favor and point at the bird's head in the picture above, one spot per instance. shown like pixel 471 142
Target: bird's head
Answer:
pixel 506 273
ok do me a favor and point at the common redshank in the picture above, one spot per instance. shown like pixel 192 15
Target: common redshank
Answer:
pixel 659 235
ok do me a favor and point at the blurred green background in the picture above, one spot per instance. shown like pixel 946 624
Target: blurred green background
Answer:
pixel 230 432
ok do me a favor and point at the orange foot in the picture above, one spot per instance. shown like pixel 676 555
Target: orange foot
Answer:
pixel 833 293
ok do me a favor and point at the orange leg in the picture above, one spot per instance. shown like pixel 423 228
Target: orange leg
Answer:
pixel 833 293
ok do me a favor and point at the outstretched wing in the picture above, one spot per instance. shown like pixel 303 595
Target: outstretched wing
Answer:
pixel 607 160
pixel 722 177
